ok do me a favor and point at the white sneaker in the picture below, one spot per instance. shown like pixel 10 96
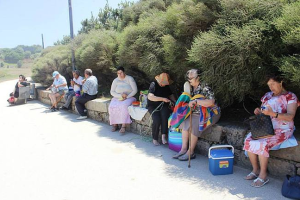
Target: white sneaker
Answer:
pixel 82 117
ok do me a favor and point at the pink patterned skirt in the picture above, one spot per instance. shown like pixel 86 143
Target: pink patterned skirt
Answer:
pixel 118 111
pixel 263 146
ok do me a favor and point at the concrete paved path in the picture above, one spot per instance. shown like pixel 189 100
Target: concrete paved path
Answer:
pixel 52 156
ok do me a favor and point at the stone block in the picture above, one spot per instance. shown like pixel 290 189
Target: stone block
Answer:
pixel 292 153
pixel 146 130
pixel 133 126
pixel 281 168
pixel 100 105
pixel 139 128
pixel 235 135
pixel 298 172
pixel 213 133
pixel 202 147
pixel 241 159
pixel 146 120
pixel 298 165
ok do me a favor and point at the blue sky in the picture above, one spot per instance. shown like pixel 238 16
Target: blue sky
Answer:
pixel 23 21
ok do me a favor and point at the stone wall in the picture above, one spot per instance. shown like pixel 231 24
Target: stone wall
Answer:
pixel 281 162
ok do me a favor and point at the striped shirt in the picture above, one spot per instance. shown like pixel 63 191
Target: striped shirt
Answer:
pixel 90 86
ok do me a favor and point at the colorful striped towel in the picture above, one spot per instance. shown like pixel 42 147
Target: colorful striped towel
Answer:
pixel 182 111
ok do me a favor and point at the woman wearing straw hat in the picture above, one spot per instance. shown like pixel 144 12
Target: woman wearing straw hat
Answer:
pixel 159 98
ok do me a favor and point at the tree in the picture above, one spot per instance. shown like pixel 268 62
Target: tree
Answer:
pixel 27 54
pixel 19 64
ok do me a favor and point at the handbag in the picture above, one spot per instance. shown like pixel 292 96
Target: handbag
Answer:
pixel 261 126
pixel 291 187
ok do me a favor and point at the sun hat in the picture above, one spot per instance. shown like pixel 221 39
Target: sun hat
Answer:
pixel 55 73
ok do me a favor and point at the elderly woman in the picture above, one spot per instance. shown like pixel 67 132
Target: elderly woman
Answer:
pixel 123 89
pixel 202 96
pixel 21 83
pixel 159 97
pixel 281 106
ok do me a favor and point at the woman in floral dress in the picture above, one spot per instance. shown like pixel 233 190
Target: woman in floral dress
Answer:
pixel 281 106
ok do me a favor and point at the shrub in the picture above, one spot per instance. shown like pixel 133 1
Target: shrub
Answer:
pixel 231 63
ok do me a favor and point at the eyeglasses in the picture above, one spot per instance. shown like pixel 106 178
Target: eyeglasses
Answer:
pixel 189 79
pixel 119 73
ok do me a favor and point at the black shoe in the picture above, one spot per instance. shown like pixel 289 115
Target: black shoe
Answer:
pixel 63 108
pixel 53 109
pixel 185 157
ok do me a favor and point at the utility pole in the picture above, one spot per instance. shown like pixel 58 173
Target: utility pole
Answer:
pixel 43 41
pixel 71 34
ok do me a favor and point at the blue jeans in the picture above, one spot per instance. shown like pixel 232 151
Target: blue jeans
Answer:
pixel 69 97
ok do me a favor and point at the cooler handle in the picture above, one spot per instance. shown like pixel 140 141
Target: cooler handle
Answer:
pixel 220 146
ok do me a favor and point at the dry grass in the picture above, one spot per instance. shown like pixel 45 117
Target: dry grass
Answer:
pixel 7 74
pixel 13 71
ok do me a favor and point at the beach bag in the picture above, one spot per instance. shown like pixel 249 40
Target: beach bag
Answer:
pixel 261 126
pixel 143 98
pixel 291 187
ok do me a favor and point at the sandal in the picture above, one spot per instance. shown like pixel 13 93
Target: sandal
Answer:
pixel 251 176
pixel 263 182
pixel 176 156
pixel 122 130
pixel 185 157
pixel 114 128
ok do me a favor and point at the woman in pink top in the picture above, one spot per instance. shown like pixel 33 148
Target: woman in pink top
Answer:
pixel 281 106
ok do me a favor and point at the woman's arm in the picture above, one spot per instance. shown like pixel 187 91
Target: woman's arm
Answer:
pixel 113 90
pixel 152 97
pixel 133 86
pixel 204 102
pixel 288 116
pixel 20 85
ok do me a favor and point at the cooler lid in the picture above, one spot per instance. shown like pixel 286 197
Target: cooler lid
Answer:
pixel 221 153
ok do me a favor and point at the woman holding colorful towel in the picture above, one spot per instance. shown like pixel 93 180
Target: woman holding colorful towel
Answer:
pixel 122 89
pixel 198 100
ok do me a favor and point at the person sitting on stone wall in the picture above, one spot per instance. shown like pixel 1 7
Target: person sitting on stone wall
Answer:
pixel 15 94
pixel 123 89
pixel 159 98
pixel 281 106
pixel 58 88
pixel 198 96
pixel 90 91
pixel 76 84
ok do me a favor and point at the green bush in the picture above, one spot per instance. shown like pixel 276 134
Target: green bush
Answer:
pixel 55 58
pixel 289 24
pixel 231 63
pixel 96 50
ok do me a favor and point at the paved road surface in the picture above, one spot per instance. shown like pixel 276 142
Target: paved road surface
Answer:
pixel 52 156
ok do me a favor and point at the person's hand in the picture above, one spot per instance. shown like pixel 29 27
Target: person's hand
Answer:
pixel 56 86
pixel 124 96
pixel 166 100
pixel 268 111
pixel 83 81
pixel 192 103
pixel 257 111
pixel 48 88
pixel 72 82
